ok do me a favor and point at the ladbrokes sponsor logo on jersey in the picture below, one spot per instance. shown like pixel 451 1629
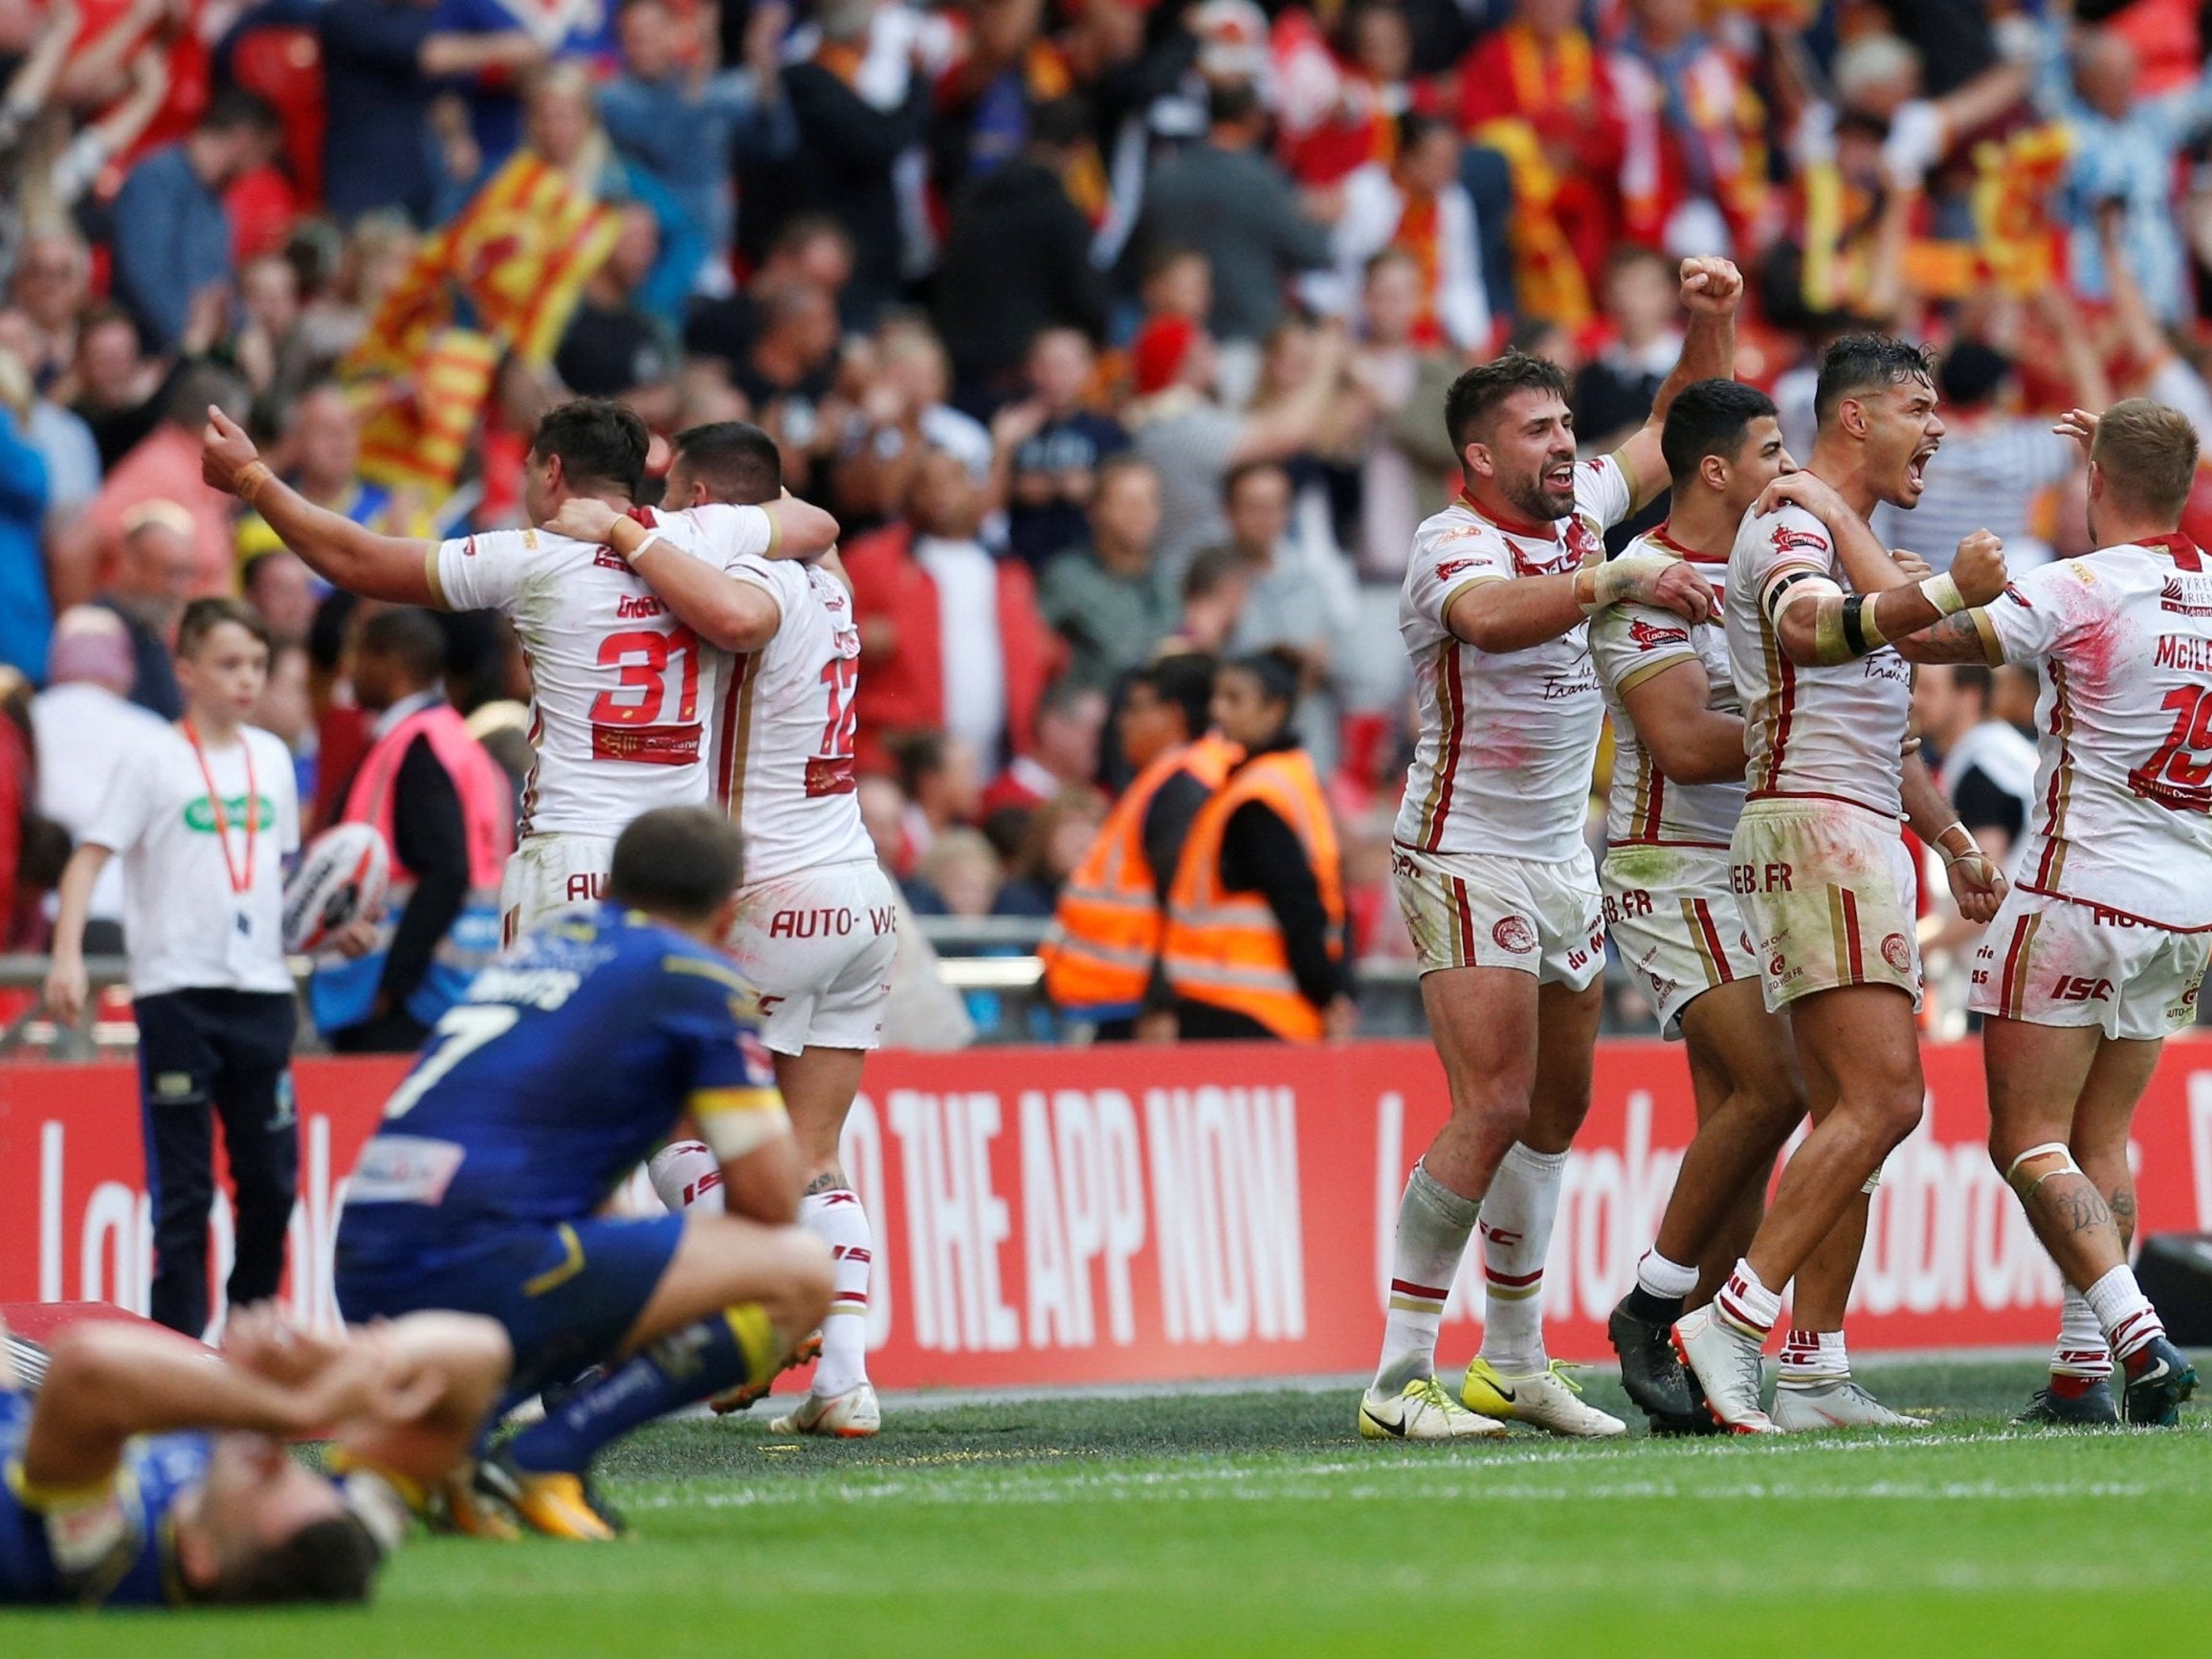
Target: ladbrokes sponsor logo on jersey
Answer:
pixel 1452 567
pixel 632 606
pixel 646 745
pixel 1651 636
pixel 1788 538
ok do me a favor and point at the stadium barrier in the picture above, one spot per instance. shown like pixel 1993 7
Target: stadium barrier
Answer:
pixel 1107 1215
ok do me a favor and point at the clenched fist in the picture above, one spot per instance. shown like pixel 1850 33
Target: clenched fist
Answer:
pixel 1710 285
pixel 1978 568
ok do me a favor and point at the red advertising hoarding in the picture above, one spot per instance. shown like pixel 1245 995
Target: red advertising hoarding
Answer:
pixel 1121 1214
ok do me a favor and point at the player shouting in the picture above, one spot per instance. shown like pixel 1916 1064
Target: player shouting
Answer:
pixel 2097 957
pixel 1825 880
pixel 577 1052
pixel 1672 913
pixel 622 683
pixel 1490 865
pixel 814 923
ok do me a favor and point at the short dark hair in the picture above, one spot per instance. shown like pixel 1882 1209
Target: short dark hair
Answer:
pixel 1971 374
pixel 197 384
pixel 409 636
pixel 1707 417
pixel 735 460
pixel 918 755
pixel 1277 669
pixel 1476 394
pixel 1863 362
pixel 235 107
pixel 1233 480
pixel 1973 677
pixel 1231 102
pixel 1413 125
pixel 331 1560
pixel 599 442
pixel 1210 568
pixel 203 616
pixel 1184 681
pixel 679 862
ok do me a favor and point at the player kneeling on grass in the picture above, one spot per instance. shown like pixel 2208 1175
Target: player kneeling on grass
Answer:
pixel 577 1053
pixel 146 1472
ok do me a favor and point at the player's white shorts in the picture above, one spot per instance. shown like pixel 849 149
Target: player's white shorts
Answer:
pixel 1476 910
pixel 2051 962
pixel 1674 921
pixel 818 944
pixel 1828 890
pixel 549 872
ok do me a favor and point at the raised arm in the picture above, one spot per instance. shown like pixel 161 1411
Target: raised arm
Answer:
pixel 342 552
pixel 1710 291
pixel 1689 741
pixel 1820 626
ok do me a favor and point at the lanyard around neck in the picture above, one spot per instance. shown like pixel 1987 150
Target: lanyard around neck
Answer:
pixel 240 879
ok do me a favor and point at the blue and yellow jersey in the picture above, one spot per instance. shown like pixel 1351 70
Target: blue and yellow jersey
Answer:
pixel 576 1053
pixel 130 1565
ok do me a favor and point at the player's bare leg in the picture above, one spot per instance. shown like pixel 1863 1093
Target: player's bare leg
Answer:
pixel 1514 1379
pixel 735 1297
pixel 1862 1036
pixel 818 1087
pixel 2040 1077
pixel 1484 1023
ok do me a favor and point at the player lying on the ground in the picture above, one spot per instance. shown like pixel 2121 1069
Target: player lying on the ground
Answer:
pixel 1671 908
pixel 146 1471
pixel 814 927
pixel 578 1052
pixel 2098 955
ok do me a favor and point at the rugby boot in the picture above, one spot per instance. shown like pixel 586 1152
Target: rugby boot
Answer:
pixel 1725 1364
pixel 1838 1404
pixel 2159 1377
pixel 1650 1370
pixel 1546 1399
pixel 2094 1408
pixel 1423 1410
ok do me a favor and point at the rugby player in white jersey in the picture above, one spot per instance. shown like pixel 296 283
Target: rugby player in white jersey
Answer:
pixel 814 928
pixel 1491 872
pixel 2097 957
pixel 1826 881
pixel 1671 914
pixel 622 682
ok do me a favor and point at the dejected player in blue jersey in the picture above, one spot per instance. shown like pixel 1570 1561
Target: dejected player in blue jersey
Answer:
pixel 577 1053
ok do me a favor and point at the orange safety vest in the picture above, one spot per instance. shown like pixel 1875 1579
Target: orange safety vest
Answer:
pixel 1225 950
pixel 1105 932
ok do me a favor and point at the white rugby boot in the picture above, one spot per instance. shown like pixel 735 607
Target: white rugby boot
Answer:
pixel 852 1415
pixel 1423 1410
pixel 1548 1400
pixel 1727 1366
pixel 1838 1404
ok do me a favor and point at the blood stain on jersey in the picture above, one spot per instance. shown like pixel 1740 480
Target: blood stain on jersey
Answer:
pixel 1897 953
pixel 1515 934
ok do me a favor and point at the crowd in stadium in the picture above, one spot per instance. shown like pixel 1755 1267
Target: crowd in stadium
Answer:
pixel 1108 330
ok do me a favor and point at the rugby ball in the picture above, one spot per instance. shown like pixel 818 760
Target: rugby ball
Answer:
pixel 345 873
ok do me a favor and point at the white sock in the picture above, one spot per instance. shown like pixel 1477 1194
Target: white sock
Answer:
pixel 1661 1277
pixel 1813 1359
pixel 687 1174
pixel 2082 1350
pixel 2123 1314
pixel 1516 1236
pixel 838 1220
pixel 1746 1304
pixel 1433 1222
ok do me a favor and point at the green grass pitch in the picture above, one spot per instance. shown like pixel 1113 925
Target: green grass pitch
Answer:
pixel 1230 1523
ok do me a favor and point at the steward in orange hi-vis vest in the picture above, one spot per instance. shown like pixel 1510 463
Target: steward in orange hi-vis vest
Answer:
pixel 1262 847
pixel 1106 935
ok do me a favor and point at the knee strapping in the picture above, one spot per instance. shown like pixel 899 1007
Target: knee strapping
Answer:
pixel 2037 1165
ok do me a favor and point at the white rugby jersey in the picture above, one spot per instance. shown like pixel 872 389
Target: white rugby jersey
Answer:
pixel 1507 741
pixel 783 728
pixel 1629 645
pixel 2123 784
pixel 1834 732
pixel 618 715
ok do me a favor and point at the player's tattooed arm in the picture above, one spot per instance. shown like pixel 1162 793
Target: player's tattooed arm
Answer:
pixel 1819 624
pixel 829 1181
pixel 342 553
pixel 1964 638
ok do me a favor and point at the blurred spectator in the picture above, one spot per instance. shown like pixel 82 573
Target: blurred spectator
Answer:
pixel 1063 754
pixel 847 144
pixel 1053 842
pixel 1987 769
pixel 1017 259
pixel 279 586
pixel 156 572
pixel 172 233
pixel 1053 468
pixel 1693 171
pixel 319 452
pixel 115 387
pixel 26 611
pixel 1616 389
pixel 271 350
pixel 786 375
pixel 810 249
pixel 84 727
pixel 942 787
pixel 1192 440
pixel 287 709
pixel 1213 598
pixel 51 288
pixel 950 638
pixel 499 120
pixel 612 346
pixel 1227 200
pixel 883 809
pixel 1417 205
pixel 1280 611
pixel 1407 445
pixel 1108 600
pixel 384 62
pixel 902 416
pixel 673 115
pixel 959 876
pixel 62 439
